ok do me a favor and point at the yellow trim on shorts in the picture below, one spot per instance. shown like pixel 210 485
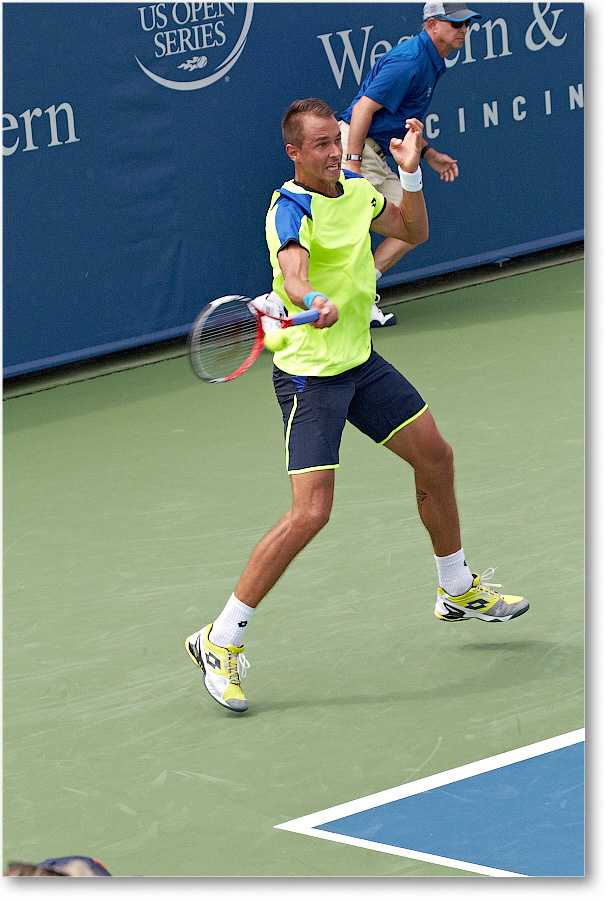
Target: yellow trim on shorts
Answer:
pixel 311 469
pixel 287 434
pixel 288 430
pixel 399 427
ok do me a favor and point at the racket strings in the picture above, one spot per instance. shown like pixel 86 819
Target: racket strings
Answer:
pixel 224 340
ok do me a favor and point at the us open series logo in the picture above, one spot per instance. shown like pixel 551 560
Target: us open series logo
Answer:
pixel 188 46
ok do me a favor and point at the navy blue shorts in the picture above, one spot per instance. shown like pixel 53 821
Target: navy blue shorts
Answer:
pixel 374 397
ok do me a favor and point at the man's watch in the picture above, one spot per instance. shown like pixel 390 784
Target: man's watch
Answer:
pixel 354 156
pixel 423 151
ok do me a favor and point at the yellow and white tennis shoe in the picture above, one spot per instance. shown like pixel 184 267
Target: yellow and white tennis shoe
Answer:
pixel 223 668
pixel 480 602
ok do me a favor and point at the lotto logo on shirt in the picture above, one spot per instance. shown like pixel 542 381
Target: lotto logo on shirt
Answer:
pixel 188 46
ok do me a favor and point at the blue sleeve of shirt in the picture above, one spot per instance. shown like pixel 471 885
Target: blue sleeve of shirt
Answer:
pixel 391 83
pixel 290 211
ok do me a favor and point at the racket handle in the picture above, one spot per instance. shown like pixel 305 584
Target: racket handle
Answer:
pixel 311 315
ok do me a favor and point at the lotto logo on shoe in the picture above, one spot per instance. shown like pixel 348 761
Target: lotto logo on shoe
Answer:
pixel 212 661
pixel 476 604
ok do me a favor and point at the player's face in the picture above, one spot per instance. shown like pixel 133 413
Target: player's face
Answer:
pixel 318 160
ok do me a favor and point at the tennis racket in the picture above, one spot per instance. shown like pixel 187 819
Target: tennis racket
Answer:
pixel 227 336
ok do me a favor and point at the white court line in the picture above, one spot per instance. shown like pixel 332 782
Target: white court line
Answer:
pixel 308 824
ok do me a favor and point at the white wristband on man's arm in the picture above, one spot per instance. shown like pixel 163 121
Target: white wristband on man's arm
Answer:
pixel 411 181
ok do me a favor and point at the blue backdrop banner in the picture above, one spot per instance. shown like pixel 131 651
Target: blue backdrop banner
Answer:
pixel 142 144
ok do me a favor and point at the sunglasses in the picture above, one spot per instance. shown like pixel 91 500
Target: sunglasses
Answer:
pixel 457 25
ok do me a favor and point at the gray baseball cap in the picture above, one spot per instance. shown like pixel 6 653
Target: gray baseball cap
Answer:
pixel 454 12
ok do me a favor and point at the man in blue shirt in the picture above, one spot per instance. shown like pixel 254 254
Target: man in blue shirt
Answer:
pixel 398 87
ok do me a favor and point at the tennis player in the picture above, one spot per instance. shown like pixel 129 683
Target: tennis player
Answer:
pixel 400 86
pixel 318 233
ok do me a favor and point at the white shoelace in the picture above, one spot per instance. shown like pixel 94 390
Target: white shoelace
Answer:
pixel 489 573
pixel 236 667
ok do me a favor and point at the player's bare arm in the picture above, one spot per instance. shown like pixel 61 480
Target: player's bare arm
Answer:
pixel 293 260
pixel 409 221
pixel 360 120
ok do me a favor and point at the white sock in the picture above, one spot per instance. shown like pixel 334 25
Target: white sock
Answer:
pixel 229 627
pixel 454 575
pixel 378 274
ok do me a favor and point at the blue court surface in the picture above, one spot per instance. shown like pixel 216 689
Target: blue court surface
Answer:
pixel 520 813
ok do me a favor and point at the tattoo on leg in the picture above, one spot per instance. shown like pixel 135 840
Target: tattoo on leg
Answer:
pixel 420 497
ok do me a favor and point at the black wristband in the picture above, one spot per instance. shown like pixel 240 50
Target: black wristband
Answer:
pixel 423 151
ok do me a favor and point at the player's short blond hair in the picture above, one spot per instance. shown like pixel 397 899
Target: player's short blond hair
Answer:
pixel 291 126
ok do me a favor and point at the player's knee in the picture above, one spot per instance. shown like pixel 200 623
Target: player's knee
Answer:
pixel 445 460
pixel 446 465
pixel 439 462
pixel 318 518
pixel 311 519
pixel 447 457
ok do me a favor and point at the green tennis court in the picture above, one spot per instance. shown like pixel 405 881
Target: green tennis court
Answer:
pixel 131 504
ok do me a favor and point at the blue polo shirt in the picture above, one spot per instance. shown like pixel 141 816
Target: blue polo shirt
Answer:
pixel 403 81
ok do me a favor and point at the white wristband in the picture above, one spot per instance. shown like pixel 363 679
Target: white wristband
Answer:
pixel 411 181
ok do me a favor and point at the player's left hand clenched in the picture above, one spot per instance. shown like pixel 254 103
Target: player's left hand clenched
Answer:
pixel 406 152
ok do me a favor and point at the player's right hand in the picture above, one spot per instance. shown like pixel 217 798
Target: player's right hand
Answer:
pixel 328 312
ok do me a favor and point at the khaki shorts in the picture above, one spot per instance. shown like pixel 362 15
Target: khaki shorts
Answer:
pixel 374 167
